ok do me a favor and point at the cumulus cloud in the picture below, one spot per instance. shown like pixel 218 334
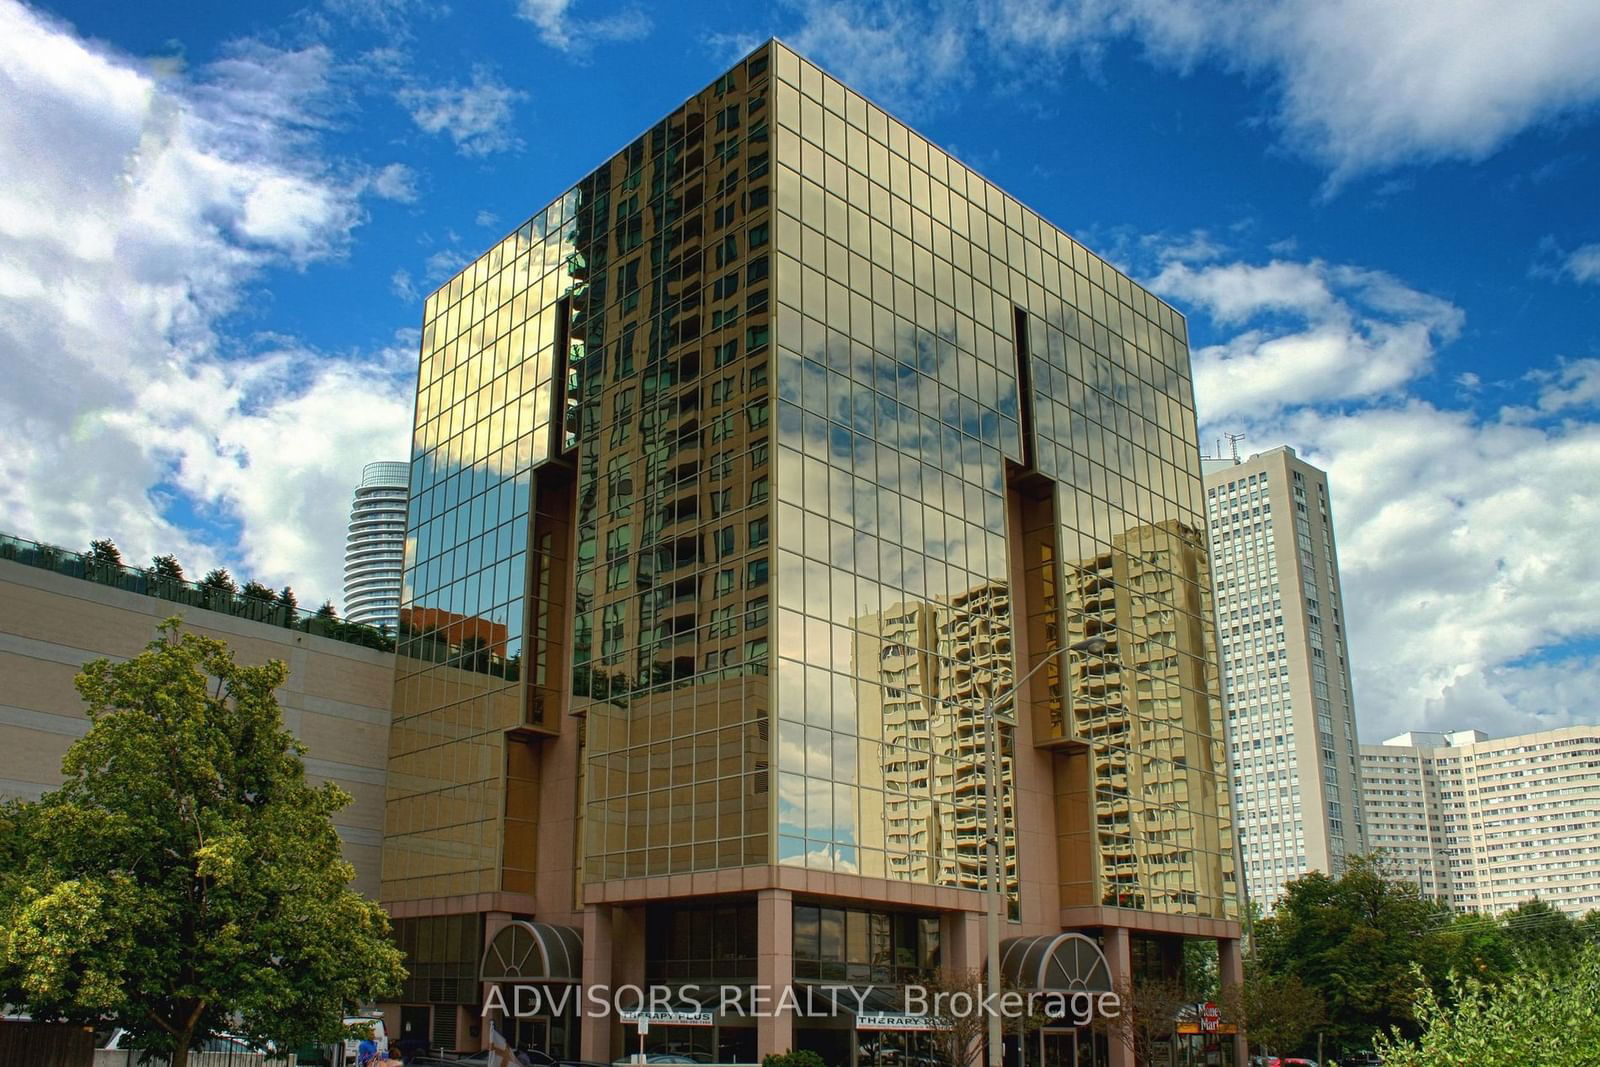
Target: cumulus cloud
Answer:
pixel 1464 535
pixel 1583 264
pixel 395 182
pixel 1360 85
pixel 137 211
pixel 1316 332
pixel 558 29
pixel 477 116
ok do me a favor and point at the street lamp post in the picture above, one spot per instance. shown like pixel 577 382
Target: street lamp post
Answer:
pixel 1093 646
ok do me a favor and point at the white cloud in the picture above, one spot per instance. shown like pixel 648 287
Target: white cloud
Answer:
pixel 1570 389
pixel 478 116
pixel 1584 263
pixel 136 211
pixel 1466 544
pixel 1465 538
pixel 558 29
pixel 1323 333
pixel 1358 84
pixel 488 219
pixel 1367 84
pixel 401 283
pixel 396 182
pixel 896 52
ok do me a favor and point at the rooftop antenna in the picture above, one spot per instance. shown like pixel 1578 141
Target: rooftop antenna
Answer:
pixel 1233 442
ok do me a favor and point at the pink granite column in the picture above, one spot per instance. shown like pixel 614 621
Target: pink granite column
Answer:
pixel 594 1029
pixel 1119 957
pixel 1230 973
pixel 774 968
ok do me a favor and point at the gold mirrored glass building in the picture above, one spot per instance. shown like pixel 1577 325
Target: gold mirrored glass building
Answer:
pixel 748 476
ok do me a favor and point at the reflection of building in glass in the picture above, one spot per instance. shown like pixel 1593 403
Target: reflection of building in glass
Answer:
pixel 1145 705
pixel 374 550
pixel 755 442
pixel 1286 669
pixel 922 674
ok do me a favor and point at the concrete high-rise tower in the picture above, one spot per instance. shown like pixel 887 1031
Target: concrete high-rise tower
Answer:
pixel 1286 669
pixel 374 548
pixel 748 472
pixel 1484 824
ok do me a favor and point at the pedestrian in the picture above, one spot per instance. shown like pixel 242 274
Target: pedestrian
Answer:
pixel 366 1052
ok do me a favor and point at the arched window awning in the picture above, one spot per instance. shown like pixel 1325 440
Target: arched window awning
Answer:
pixel 526 951
pixel 1066 962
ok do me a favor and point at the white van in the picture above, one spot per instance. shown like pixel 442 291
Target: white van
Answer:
pixel 360 1027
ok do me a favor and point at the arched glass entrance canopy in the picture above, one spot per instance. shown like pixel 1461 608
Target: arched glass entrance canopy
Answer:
pixel 526 951
pixel 1067 963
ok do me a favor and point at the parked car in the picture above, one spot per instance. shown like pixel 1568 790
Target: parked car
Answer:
pixel 527 1057
pixel 121 1039
pixel 654 1057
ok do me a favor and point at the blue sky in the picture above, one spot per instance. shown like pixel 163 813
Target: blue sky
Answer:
pixel 1379 215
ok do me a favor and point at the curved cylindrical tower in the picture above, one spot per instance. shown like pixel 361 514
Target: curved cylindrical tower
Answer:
pixel 374 551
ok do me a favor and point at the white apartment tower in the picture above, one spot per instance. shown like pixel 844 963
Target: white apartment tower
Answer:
pixel 1485 825
pixel 374 548
pixel 1286 670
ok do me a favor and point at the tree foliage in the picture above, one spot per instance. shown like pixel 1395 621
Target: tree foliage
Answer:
pixel 105 550
pixel 257 591
pixel 1546 1016
pixel 793 1058
pixel 1279 1012
pixel 1149 1018
pixel 166 567
pixel 1354 939
pixel 185 878
pixel 219 579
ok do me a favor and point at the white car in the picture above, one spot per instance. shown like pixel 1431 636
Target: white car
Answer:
pixel 121 1039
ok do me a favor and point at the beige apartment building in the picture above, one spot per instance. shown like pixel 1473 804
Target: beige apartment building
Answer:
pixel 1485 824
pixel 59 610
pixel 1285 669
pixel 747 476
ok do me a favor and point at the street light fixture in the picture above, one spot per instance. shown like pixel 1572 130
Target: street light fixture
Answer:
pixel 1091 646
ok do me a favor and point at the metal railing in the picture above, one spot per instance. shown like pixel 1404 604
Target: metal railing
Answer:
pixel 191 594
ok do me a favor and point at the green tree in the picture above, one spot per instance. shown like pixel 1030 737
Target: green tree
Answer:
pixel 1543 1017
pixel 287 598
pixel 105 551
pixel 1200 968
pixel 1545 936
pixel 220 580
pixel 185 878
pixel 1353 940
pixel 1279 1012
pixel 795 1058
pixel 166 567
pixel 1475 946
pixel 255 590
pixel 327 611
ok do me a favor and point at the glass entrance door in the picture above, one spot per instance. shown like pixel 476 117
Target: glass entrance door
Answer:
pixel 532 1034
pixel 1058 1048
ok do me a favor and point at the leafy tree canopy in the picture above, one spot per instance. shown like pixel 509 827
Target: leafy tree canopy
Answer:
pixel 1354 939
pixel 220 579
pixel 105 550
pixel 258 591
pixel 1546 1016
pixel 185 878
pixel 166 567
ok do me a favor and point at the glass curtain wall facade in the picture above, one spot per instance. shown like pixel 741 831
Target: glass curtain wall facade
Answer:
pixel 748 477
